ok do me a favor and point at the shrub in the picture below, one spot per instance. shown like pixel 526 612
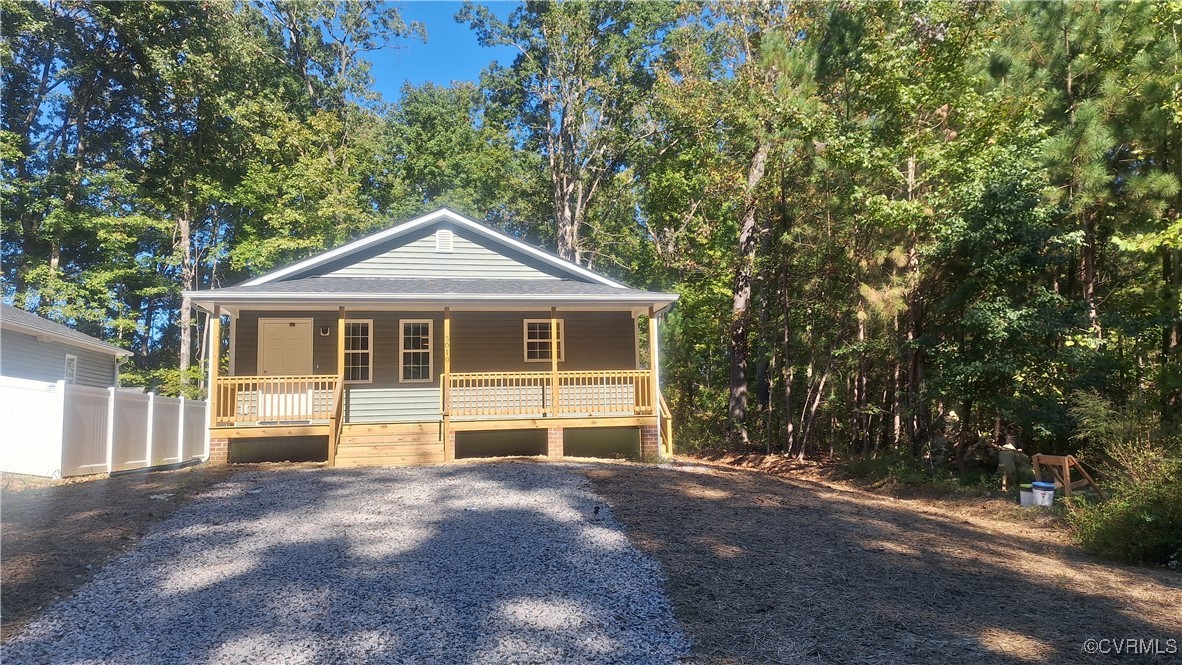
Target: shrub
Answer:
pixel 1141 469
pixel 1141 523
pixel 898 469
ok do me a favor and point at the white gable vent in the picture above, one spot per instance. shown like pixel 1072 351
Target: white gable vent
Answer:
pixel 443 241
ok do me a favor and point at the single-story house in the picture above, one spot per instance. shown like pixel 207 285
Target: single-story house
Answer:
pixel 40 350
pixel 431 340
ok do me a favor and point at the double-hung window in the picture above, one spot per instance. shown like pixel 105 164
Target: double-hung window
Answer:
pixel 359 351
pixel 538 344
pixel 414 351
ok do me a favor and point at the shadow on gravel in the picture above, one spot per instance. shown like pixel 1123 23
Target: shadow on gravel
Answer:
pixel 767 570
pixel 57 535
pixel 450 564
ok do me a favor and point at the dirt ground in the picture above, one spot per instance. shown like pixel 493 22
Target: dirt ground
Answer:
pixel 54 537
pixel 768 569
pixel 761 568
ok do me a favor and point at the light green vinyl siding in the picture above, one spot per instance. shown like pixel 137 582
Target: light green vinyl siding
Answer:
pixel 378 405
pixel 469 259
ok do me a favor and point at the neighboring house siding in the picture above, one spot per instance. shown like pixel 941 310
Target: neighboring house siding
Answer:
pixel 471 257
pixel 481 342
pixel 24 357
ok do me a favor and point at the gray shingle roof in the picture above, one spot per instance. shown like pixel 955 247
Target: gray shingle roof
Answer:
pixel 30 323
pixel 408 288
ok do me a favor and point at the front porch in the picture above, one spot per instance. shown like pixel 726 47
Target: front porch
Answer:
pixel 274 401
pixel 364 423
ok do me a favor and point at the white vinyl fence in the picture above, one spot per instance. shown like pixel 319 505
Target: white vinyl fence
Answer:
pixel 59 430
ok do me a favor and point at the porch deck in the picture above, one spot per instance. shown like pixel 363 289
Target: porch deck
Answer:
pixel 312 405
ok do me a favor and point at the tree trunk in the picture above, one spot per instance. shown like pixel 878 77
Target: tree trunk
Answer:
pixel 896 404
pixel 918 407
pixel 812 410
pixel 1171 338
pixel 740 314
pixel 1087 271
pixel 965 439
pixel 185 247
pixel 861 417
pixel 787 370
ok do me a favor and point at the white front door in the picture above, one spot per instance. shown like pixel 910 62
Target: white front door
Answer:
pixel 285 347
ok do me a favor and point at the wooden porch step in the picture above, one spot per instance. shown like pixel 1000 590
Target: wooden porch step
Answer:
pixel 426 457
pixel 378 439
pixel 369 429
pixel 397 449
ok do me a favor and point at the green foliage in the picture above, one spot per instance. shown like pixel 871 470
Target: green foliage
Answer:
pixel 152 147
pixel 445 148
pixel 1141 522
pixel 170 382
pixel 901 471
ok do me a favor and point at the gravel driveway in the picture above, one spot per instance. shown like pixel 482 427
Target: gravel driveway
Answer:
pixel 464 563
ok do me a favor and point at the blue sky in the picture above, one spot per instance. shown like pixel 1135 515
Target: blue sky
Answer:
pixel 450 54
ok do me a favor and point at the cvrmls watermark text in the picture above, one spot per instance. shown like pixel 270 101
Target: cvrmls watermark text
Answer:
pixel 1131 646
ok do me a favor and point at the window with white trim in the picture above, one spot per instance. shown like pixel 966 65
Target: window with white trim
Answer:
pixel 538 342
pixel 70 372
pixel 359 351
pixel 414 351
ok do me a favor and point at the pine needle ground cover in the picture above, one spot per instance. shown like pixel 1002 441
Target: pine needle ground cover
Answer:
pixel 766 569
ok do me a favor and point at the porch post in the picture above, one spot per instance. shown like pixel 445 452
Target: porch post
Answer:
pixel 654 361
pixel 553 362
pixel 341 344
pixel 338 392
pixel 449 451
pixel 215 360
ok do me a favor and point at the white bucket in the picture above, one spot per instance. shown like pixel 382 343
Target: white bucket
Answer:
pixel 1044 498
pixel 1027 497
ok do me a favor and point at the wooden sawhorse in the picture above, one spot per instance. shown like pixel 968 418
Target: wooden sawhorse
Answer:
pixel 1060 466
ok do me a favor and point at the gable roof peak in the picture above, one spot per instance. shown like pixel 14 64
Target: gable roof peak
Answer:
pixel 437 216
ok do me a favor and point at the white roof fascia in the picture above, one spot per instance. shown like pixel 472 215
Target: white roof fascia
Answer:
pixel 96 345
pixel 209 300
pixel 442 213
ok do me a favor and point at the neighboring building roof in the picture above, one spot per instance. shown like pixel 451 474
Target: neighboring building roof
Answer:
pixel 18 320
pixel 312 281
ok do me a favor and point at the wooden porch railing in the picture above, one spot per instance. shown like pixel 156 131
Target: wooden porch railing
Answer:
pixel 666 433
pixel 251 399
pixel 337 421
pixel 499 393
pixel 528 394
pixel 605 392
